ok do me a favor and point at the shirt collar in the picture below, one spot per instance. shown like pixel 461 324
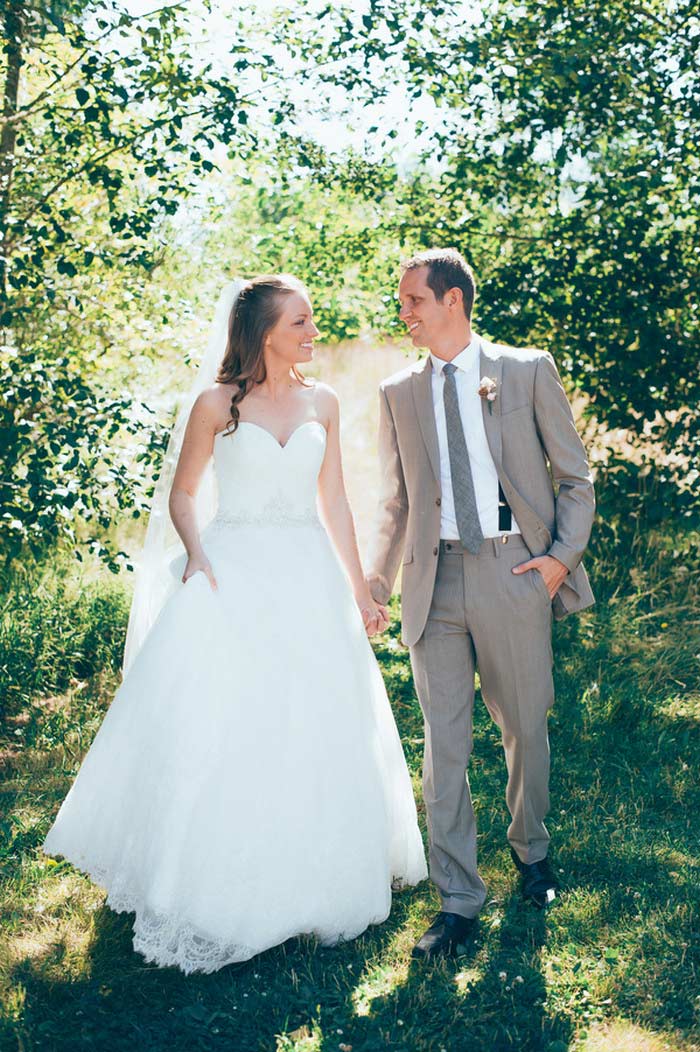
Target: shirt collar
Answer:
pixel 465 360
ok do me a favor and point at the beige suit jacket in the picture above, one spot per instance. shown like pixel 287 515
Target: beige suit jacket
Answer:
pixel 541 464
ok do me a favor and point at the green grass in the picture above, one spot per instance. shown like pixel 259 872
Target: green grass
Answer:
pixel 615 966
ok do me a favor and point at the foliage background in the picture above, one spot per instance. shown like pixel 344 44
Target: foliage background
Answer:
pixel 147 153
pixel 555 144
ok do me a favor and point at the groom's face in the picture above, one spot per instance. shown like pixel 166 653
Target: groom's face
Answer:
pixel 424 315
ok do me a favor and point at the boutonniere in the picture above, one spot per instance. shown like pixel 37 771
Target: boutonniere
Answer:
pixel 487 390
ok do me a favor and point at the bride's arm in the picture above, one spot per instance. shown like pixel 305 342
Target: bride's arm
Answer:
pixel 336 514
pixel 197 448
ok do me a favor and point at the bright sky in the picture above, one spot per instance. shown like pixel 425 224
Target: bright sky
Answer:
pixel 213 35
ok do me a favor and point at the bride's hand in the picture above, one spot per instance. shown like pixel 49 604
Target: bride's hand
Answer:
pixel 374 616
pixel 199 564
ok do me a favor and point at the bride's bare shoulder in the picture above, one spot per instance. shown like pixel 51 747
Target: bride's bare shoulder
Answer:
pixel 326 404
pixel 213 405
pixel 325 396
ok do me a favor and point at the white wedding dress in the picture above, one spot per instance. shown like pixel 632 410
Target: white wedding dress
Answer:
pixel 248 783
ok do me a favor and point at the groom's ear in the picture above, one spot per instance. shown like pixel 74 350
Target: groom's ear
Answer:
pixel 454 298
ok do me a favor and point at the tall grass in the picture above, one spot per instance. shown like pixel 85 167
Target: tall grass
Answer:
pixel 58 622
pixel 614 966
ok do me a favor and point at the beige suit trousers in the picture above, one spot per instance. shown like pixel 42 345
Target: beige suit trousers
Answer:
pixel 483 617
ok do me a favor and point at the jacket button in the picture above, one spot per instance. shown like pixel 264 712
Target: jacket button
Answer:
pixel 435 551
pixel 438 501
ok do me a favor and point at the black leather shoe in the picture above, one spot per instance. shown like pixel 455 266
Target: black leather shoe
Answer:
pixel 539 885
pixel 444 935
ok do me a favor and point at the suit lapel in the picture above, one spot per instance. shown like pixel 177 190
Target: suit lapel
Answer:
pixel 493 368
pixel 421 388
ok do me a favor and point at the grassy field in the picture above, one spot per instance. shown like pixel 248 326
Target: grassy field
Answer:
pixel 614 967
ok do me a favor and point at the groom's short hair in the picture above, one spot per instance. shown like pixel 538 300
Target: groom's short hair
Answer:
pixel 447 269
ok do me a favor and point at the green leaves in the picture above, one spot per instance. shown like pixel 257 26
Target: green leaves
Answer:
pixel 63 468
pixel 553 145
pixel 64 266
pixel 116 127
pixel 561 161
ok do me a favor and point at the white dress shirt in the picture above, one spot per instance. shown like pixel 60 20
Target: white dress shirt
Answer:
pixel 481 462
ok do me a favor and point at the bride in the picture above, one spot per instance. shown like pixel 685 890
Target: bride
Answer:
pixel 248 783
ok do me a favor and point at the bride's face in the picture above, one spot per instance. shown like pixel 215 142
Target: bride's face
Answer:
pixel 291 339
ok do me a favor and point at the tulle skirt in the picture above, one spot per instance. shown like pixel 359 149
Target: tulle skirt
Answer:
pixel 247 783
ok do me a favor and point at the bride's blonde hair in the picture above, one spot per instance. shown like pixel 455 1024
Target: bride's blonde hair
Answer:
pixel 256 311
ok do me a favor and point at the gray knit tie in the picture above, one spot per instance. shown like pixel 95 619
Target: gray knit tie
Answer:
pixel 462 484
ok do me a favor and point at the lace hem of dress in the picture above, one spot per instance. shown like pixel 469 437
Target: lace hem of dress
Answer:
pixel 169 941
pixel 164 942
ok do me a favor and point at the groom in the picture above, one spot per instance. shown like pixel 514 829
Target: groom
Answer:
pixel 487 502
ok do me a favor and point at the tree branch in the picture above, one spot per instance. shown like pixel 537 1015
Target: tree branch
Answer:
pixel 98 158
pixel 23 111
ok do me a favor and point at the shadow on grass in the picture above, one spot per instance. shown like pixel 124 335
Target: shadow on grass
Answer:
pixel 490 997
pixel 622 942
pixel 122 1003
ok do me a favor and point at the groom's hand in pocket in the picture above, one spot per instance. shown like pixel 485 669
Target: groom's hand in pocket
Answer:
pixel 553 572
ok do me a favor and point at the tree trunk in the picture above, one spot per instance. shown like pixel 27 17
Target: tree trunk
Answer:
pixel 13 26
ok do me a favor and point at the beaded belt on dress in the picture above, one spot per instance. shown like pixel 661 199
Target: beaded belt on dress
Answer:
pixel 269 516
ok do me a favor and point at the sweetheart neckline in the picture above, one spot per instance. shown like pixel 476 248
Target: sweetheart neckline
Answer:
pixel 265 431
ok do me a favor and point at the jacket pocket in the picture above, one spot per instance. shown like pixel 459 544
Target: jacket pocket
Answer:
pixel 407 555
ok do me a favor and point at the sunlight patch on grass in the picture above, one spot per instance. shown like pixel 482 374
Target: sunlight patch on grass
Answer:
pixel 623 1036
pixel 585 907
pixel 307 1038
pixel 568 967
pixel 681 707
pixel 468 978
pixel 31 945
pixel 379 980
pixel 28 817
pixel 13 1002
pixel 582 980
pixel 55 926
pixel 64 949
pixel 677 861
pixel 69 891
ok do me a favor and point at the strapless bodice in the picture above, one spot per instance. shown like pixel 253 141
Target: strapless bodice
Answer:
pixel 261 482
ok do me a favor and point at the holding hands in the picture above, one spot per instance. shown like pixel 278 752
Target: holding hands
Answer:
pixel 374 616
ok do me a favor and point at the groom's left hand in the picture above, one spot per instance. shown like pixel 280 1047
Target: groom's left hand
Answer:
pixel 553 572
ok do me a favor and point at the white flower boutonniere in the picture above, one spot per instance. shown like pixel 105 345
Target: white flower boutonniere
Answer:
pixel 488 390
